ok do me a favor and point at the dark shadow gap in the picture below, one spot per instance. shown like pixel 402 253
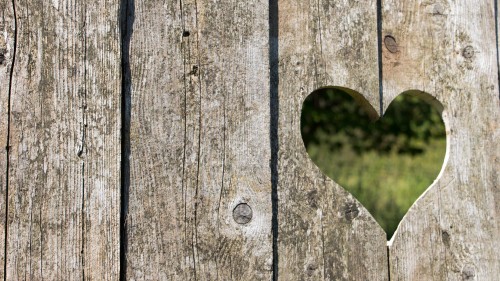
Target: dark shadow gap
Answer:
pixel 381 91
pixel 274 122
pixel 7 147
pixel 83 221
pixel 388 263
pixel 380 64
pixel 82 148
pixel 126 19
pixel 496 36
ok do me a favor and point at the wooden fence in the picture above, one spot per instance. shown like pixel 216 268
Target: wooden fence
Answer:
pixel 160 140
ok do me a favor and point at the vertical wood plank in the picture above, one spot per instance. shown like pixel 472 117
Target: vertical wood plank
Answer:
pixel 199 141
pixel 101 144
pixel 448 49
pixel 7 38
pixel 63 203
pixel 324 233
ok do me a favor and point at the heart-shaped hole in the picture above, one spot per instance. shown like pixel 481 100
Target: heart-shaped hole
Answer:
pixel 385 164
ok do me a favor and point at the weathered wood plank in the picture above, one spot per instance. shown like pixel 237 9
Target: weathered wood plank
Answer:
pixel 101 186
pixel 199 141
pixel 7 38
pixel 448 49
pixel 63 203
pixel 324 233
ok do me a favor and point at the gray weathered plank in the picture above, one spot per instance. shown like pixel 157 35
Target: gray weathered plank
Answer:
pixel 448 49
pixel 63 191
pixel 324 233
pixel 199 141
pixel 7 31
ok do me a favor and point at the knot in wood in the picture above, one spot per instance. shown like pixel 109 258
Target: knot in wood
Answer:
pixel 445 236
pixel 468 272
pixel 2 56
pixel 242 213
pixel 351 211
pixel 311 268
pixel 438 9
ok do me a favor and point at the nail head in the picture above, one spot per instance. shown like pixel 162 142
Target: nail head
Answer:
pixel 468 52
pixel 390 44
pixel 242 213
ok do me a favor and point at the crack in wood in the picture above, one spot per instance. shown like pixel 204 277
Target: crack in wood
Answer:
pixel 7 148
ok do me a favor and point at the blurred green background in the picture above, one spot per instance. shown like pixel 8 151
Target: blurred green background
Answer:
pixel 385 164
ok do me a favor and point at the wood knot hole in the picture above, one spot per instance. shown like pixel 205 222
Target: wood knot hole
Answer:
pixel 242 213
pixel 185 33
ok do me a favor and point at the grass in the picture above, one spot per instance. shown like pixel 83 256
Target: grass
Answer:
pixel 387 184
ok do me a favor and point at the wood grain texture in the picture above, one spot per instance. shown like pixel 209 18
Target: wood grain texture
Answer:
pixel 448 49
pixel 216 90
pixel 63 203
pixel 7 39
pixel 199 141
pixel 324 233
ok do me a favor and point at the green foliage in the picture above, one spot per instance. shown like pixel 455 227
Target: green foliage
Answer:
pixel 407 126
pixel 386 165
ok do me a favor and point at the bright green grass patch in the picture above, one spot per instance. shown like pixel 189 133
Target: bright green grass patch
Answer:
pixel 387 184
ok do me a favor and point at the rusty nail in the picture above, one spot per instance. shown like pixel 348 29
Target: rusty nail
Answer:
pixel 242 213
pixel 390 44
pixel 468 52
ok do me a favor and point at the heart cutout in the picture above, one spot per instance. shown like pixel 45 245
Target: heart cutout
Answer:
pixel 385 164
